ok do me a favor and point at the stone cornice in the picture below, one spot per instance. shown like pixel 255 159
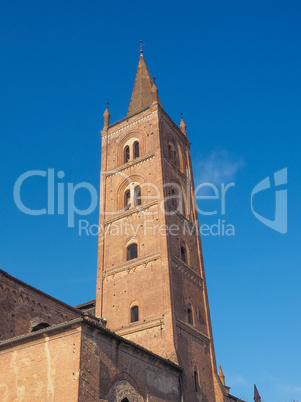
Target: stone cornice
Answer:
pixel 187 271
pixel 139 326
pixel 131 211
pixel 129 124
pixel 193 331
pixel 129 164
pixel 131 265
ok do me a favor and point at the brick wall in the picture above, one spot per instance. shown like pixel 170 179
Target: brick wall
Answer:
pixel 115 369
pixel 22 307
pixel 158 281
pixel 42 367
pixel 79 361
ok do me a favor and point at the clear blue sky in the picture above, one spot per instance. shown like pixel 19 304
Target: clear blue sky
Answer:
pixel 233 69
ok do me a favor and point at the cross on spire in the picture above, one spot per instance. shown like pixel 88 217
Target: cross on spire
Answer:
pixel 141 47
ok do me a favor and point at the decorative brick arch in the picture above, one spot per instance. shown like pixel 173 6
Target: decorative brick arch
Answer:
pixel 138 301
pixel 124 386
pixel 129 139
pixel 175 145
pixel 184 245
pixel 175 183
pixel 129 182
pixel 128 244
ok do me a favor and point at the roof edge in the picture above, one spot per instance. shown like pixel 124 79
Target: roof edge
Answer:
pixel 91 324
pixel 40 291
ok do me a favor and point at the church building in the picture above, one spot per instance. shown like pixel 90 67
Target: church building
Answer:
pixel 147 336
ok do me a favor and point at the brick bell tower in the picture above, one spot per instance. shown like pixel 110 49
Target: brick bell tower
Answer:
pixel 151 285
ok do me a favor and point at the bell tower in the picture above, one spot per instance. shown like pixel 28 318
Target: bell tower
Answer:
pixel 151 285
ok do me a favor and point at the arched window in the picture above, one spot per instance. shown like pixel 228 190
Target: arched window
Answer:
pixel 169 152
pixel 183 254
pixel 174 198
pixel 175 157
pixel 134 314
pixel 136 149
pixel 189 315
pixel 137 194
pixel 172 154
pixel 127 200
pixel 132 251
pixel 125 400
pixel 196 379
pixel 126 154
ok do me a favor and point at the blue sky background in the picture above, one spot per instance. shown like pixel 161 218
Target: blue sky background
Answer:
pixel 233 69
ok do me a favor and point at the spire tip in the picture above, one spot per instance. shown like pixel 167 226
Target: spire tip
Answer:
pixel 183 125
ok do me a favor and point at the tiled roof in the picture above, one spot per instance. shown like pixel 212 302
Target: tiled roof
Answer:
pixel 85 304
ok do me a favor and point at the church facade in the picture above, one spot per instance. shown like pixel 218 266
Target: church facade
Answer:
pixel 147 336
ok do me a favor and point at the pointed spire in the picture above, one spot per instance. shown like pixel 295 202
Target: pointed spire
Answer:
pixel 221 375
pixel 155 91
pixel 142 95
pixel 257 397
pixel 183 126
pixel 106 117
